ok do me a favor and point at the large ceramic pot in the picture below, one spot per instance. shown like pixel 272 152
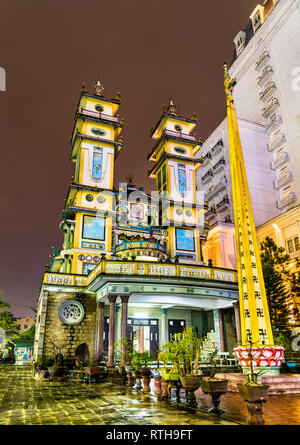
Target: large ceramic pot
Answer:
pixel 254 396
pixel 146 372
pixel 191 383
pixel 215 388
pixel 56 371
pixel 253 393
pixel 157 385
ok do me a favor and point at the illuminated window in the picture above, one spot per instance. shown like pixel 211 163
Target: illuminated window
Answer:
pixel 93 228
pixel 162 179
pixel 185 240
pixel 293 245
pixel 182 178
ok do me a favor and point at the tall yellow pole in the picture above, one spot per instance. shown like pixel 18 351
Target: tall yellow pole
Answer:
pixel 255 318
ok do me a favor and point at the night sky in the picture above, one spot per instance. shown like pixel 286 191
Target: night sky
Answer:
pixel 150 51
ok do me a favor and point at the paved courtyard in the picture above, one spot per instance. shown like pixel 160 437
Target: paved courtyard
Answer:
pixel 26 401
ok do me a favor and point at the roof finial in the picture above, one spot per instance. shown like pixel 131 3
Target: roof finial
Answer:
pixel 98 89
pixel 171 108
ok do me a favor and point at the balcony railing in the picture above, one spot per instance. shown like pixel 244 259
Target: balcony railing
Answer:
pixel 285 177
pixel 178 134
pixel 222 184
pixel 211 211
pixel 273 104
pixel 267 91
pixel 207 177
pixel 265 75
pixel 99 115
pixel 280 158
pixel 140 245
pixel 218 147
pixel 219 165
pixel 275 123
pixel 206 157
pixel 263 59
pixel 141 268
pixel 286 200
pixel 277 142
pixel 223 204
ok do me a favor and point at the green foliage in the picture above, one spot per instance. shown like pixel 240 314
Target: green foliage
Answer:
pixel 7 322
pixel 140 360
pixel 42 363
pixel 212 360
pixel 29 334
pixel 277 278
pixel 183 352
pixel 124 345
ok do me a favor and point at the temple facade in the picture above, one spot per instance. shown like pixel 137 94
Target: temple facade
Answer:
pixel 131 264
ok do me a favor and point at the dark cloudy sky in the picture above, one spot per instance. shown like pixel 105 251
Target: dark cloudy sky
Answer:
pixel 150 51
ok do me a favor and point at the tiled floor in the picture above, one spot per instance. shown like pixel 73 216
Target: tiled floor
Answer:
pixel 26 401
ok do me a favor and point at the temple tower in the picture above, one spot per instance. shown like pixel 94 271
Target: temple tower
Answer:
pixel 174 171
pixel 90 204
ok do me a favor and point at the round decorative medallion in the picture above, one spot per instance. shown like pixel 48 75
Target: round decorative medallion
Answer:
pixel 98 132
pixel 96 259
pixel 179 212
pixel 99 108
pixel 180 150
pixel 89 258
pixel 100 199
pixel 188 213
pixel 71 312
pixel 81 257
pixel 89 198
pixel 177 127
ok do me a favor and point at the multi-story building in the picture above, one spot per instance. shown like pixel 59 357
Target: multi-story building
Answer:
pixel 265 64
pixel 24 323
pixel 131 266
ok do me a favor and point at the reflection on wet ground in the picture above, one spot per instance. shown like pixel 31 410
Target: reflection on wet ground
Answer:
pixel 26 401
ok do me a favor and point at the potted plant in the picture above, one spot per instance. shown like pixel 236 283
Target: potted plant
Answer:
pixel 213 386
pixel 184 352
pixel 136 363
pixel 40 368
pixel 254 393
pixel 57 369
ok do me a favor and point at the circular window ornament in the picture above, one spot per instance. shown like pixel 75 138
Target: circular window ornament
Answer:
pixel 71 312
pixel 180 150
pixel 99 108
pixel 179 212
pixel 178 128
pixel 100 199
pixel 89 258
pixel 96 259
pixel 188 213
pixel 98 132
pixel 81 257
pixel 89 198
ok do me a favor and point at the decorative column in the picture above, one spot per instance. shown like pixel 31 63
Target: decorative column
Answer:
pixel 111 333
pixel 124 325
pixel 164 327
pixel 217 328
pixel 255 318
pixel 221 327
pixel 100 330
pixel 237 322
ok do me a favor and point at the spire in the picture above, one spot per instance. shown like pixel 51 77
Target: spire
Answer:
pixel 98 89
pixel 171 108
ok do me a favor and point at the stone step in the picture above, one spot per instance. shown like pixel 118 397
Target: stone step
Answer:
pixel 281 384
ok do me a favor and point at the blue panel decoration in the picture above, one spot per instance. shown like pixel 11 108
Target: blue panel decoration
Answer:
pixel 93 227
pixel 185 240
pixel 87 268
pixel 87 245
pixel 97 164
pixel 182 178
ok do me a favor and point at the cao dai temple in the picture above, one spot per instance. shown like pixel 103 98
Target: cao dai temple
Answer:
pixel 147 266
pixel 131 264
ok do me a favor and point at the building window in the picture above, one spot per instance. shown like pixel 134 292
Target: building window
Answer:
pixel 185 240
pixel 99 108
pixel 25 326
pixel 293 245
pixel 97 164
pixel 182 178
pixel 93 227
pixel 162 179
pixel 98 132
pixel 87 268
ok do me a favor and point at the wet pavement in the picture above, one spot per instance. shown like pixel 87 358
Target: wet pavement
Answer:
pixel 26 401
